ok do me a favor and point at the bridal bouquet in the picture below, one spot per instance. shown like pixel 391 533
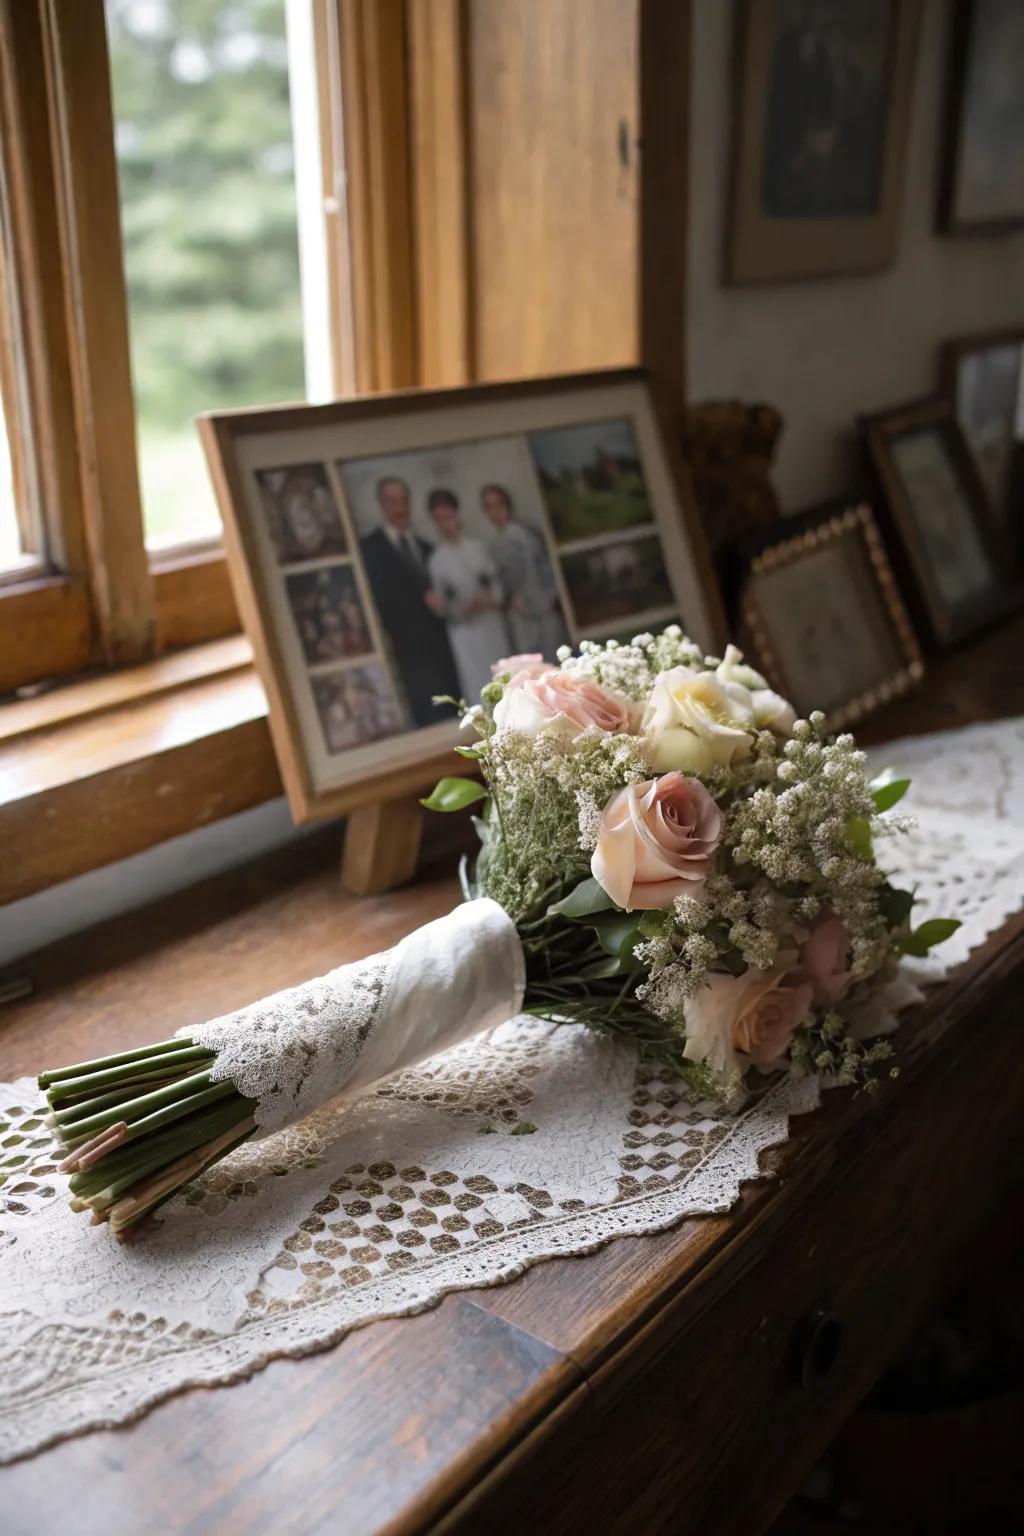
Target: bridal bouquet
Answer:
pixel 667 854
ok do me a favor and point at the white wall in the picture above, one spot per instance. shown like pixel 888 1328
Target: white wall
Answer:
pixel 823 352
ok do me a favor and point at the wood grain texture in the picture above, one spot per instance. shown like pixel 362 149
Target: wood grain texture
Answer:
pixel 374 98
pixel 438 129
pixel 382 845
pixel 45 630
pixel 106 691
pixel 194 601
pixel 39 285
pixel 83 126
pixel 87 794
pixel 551 137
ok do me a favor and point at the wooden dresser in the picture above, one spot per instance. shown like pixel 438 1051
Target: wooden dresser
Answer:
pixel 681 1383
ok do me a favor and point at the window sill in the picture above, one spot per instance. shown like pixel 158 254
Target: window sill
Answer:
pixel 109 766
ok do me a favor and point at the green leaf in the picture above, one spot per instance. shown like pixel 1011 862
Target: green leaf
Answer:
pixel 935 931
pixel 586 898
pixel 618 934
pixel 858 830
pixel 895 905
pixel 455 795
pixel 888 792
pixel 611 965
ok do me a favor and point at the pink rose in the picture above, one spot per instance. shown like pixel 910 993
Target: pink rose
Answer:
pixel 734 1021
pixel 656 842
pixel 824 958
pixel 555 703
pixel 531 663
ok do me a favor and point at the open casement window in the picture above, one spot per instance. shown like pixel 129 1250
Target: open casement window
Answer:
pixel 156 260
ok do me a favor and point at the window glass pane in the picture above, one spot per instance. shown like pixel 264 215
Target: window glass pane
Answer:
pixel 206 167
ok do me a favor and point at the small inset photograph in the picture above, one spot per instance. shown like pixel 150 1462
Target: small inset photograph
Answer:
pixel 609 582
pixel 301 512
pixel 356 706
pixel 592 479
pixel 329 614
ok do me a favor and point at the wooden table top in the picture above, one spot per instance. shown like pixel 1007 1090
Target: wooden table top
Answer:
pixel 447 1418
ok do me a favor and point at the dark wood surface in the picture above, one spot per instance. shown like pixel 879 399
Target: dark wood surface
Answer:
pixel 650 1386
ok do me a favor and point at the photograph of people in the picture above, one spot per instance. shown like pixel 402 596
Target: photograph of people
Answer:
pixel 304 521
pixel 328 614
pixel 356 706
pixel 520 555
pixel 472 599
pixel 411 609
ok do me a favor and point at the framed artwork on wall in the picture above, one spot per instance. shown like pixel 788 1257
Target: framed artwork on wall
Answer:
pixel 982 185
pixel 389 550
pixel 823 618
pixel 822 111
pixel 983 378
pixel 940 517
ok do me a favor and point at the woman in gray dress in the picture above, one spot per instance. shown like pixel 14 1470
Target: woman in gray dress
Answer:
pixel 532 607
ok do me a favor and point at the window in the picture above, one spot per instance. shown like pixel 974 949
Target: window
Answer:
pixel 206 168
pixel 177 190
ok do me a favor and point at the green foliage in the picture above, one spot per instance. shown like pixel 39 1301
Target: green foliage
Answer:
pixel 205 164
pixel 858 831
pixel 895 905
pixel 935 931
pixel 582 900
pixel 454 795
pixel 888 792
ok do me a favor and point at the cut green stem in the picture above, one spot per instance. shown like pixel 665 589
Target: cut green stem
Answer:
pixel 100 1063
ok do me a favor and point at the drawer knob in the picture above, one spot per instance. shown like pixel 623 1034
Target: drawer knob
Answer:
pixel 818 1343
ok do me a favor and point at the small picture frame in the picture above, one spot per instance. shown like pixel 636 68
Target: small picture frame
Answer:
pixel 982 186
pixel 940 518
pixel 822 114
pixel 391 549
pixel 982 377
pixel 823 618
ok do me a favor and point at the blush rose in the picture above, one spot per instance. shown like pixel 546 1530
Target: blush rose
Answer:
pixel 656 842
pixel 824 959
pixel 554 703
pixel 530 663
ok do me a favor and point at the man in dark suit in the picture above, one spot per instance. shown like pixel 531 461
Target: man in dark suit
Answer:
pixel 396 567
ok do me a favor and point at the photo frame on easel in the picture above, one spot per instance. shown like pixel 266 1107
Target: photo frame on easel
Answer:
pixel 387 549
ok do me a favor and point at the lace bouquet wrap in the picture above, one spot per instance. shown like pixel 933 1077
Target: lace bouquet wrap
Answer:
pixel 667 854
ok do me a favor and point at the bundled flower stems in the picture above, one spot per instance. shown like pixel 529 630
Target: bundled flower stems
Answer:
pixel 140 1124
pixel 667 854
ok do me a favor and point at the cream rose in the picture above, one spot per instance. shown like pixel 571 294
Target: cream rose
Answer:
pixel 772 712
pixel 733 669
pixel 736 1021
pixel 554 703
pixel 694 722
pixel 656 842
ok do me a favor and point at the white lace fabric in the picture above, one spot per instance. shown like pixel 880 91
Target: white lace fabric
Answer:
pixel 527 1142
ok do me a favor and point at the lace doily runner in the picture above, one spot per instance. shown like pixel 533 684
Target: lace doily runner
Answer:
pixel 530 1143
